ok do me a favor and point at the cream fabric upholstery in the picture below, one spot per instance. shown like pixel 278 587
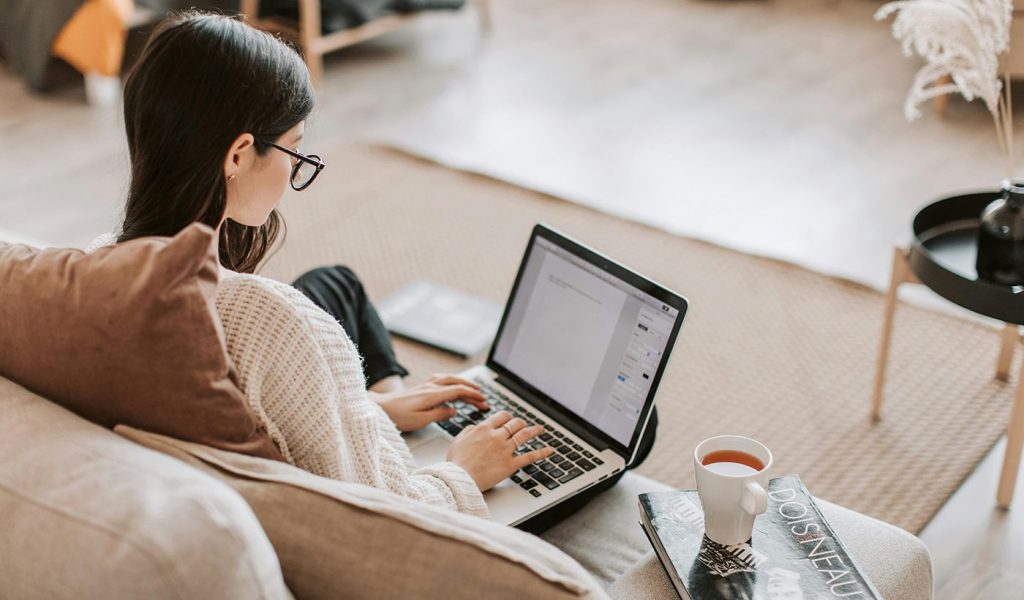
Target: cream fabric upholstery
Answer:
pixel 338 539
pixel 605 535
pixel 87 514
pixel 897 562
pixel 606 538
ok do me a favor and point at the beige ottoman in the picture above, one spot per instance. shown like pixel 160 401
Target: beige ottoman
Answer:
pixel 607 540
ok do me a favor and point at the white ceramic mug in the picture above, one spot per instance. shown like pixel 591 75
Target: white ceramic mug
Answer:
pixel 731 501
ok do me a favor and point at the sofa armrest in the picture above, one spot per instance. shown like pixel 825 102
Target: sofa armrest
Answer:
pixel 87 514
pixel 338 539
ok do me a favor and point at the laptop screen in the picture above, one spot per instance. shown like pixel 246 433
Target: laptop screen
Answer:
pixel 587 339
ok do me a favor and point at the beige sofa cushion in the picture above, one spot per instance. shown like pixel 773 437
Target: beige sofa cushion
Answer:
pixel 85 513
pixel 338 539
pixel 134 335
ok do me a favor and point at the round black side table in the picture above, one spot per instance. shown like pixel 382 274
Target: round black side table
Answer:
pixel 942 257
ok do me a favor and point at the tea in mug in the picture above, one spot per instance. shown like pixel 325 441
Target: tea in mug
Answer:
pixel 732 462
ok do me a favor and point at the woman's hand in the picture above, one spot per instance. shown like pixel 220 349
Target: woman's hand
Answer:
pixel 419 406
pixel 485 450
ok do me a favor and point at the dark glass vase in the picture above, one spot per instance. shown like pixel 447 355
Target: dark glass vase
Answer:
pixel 1001 237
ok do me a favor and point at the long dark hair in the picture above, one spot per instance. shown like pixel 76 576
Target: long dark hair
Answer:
pixel 201 81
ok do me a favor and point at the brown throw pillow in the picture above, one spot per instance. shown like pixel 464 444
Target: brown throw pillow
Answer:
pixel 128 334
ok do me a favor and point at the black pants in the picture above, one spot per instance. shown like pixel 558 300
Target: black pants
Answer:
pixel 338 291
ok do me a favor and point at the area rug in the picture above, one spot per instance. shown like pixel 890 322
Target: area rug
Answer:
pixel 768 349
pixel 659 112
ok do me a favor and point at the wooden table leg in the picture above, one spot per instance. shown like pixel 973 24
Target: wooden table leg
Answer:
pixel 1014 442
pixel 941 102
pixel 251 9
pixel 901 274
pixel 483 8
pixel 309 39
pixel 1010 339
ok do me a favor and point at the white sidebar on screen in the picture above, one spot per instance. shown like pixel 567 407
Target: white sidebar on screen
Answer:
pixel 571 314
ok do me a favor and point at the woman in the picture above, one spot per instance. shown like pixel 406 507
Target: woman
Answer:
pixel 214 113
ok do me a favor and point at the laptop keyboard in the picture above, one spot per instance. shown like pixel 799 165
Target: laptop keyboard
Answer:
pixel 569 461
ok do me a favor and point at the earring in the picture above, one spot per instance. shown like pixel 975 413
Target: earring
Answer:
pixel 232 178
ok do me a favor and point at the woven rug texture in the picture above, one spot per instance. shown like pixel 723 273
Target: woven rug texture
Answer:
pixel 767 349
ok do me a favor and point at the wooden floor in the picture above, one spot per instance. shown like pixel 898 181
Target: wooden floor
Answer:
pixel 745 70
pixel 976 548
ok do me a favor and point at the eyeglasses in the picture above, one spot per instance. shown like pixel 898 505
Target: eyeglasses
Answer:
pixel 305 169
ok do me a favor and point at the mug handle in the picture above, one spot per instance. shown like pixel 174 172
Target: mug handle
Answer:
pixel 755 499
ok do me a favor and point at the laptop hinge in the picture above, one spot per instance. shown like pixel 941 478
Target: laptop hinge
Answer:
pixel 564 418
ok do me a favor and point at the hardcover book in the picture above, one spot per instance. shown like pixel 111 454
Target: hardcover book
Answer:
pixel 792 554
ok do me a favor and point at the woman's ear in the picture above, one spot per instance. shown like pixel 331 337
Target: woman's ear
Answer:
pixel 239 157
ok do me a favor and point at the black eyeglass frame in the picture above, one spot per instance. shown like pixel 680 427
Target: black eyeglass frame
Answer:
pixel 312 159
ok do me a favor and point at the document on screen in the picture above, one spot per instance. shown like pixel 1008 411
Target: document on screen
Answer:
pixel 572 315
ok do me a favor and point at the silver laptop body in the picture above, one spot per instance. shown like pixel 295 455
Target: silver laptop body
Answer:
pixel 582 346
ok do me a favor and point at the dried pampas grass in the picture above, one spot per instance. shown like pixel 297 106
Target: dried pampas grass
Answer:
pixel 960 42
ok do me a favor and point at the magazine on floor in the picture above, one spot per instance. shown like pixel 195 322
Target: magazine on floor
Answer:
pixel 441 317
pixel 793 553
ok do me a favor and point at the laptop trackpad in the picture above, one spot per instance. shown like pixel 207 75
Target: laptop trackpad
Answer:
pixel 429 445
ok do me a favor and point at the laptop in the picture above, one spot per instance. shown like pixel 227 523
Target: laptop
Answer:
pixel 582 345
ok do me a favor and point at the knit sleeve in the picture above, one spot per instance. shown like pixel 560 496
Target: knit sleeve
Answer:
pixel 103 239
pixel 303 376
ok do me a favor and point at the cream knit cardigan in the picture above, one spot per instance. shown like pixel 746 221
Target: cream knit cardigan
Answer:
pixel 303 378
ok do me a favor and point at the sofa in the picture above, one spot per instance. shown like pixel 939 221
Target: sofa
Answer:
pixel 86 512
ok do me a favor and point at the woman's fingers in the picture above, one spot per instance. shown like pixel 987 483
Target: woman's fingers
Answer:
pixel 532 456
pixel 468 394
pixel 461 392
pixel 497 419
pixel 432 397
pixel 445 379
pixel 513 427
pixel 439 413
pixel 468 390
pixel 523 435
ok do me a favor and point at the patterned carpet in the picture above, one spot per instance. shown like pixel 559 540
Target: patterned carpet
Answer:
pixel 767 350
